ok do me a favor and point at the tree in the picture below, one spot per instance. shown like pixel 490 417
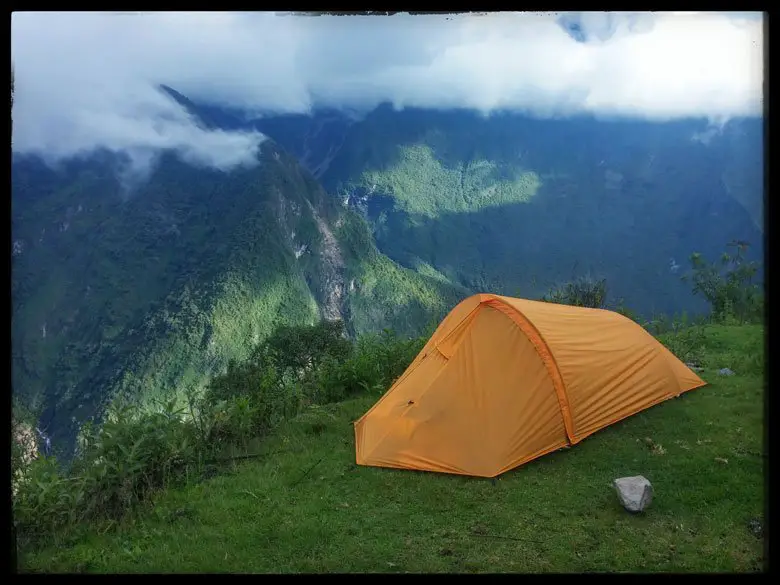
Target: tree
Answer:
pixel 728 287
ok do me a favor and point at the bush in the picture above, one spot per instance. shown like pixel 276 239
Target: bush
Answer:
pixel 686 341
pixel 137 451
pixel 299 365
pixel 117 465
pixel 582 292
pixel 376 362
pixel 251 398
pixel 239 418
pixel 300 349
pixel 256 376
pixel 44 500
pixel 728 288
pixel 132 454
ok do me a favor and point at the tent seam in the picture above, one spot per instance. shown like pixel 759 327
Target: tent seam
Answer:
pixel 406 410
pixel 435 347
pixel 545 353
pixel 409 372
pixel 457 327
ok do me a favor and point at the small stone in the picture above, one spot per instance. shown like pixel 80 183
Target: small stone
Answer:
pixel 756 528
pixel 635 493
pixel 694 367
pixel 725 372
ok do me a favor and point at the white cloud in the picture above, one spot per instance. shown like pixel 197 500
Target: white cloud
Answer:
pixel 86 80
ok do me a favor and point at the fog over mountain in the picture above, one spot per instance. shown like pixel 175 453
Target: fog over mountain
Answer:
pixel 90 80
pixel 185 183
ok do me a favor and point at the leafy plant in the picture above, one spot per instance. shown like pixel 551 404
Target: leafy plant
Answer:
pixel 300 349
pixel 584 291
pixel 119 464
pixel 686 341
pixel 728 287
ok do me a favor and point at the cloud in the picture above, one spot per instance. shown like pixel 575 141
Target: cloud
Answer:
pixel 87 80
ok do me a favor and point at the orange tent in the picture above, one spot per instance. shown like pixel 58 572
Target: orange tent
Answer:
pixel 503 381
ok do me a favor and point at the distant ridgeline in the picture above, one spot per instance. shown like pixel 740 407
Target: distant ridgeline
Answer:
pixel 382 221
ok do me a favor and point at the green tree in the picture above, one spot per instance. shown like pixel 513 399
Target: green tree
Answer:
pixel 728 287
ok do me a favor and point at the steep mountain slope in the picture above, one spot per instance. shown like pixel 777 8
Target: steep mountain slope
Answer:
pixel 151 291
pixel 513 204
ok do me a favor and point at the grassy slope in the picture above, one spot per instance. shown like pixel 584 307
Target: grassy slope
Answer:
pixel 559 513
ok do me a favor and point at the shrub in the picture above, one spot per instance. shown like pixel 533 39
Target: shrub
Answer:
pixel 728 288
pixel 300 349
pixel 44 500
pixel 137 451
pixel 581 292
pixel 256 376
pixel 373 366
pixel 118 464
pixel 133 453
pixel 686 341
pixel 298 365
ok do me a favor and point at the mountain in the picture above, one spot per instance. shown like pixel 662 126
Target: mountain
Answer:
pixel 515 204
pixel 382 219
pixel 151 291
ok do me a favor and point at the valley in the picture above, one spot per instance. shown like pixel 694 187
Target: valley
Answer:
pixel 382 221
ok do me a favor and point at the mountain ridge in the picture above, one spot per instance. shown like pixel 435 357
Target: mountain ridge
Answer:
pixel 151 294
pixel 625 193
pixel 384 220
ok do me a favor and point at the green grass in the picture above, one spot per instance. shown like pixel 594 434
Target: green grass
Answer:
pixel 306 507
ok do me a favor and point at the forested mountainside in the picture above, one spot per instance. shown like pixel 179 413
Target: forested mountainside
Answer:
pixel 514 204
pixel 382 220
pixel 150 291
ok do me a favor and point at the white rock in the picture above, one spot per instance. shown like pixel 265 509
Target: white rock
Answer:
pixel 635 493
pixel 725 372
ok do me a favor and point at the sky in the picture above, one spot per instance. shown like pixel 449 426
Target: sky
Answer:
pixel 90 80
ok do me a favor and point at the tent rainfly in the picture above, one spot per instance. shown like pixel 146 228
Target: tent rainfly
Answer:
pixel 503 381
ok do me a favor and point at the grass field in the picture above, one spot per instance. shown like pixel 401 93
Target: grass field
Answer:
pixel 306 507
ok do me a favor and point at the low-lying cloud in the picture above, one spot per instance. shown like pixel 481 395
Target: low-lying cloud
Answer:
pixel 89 80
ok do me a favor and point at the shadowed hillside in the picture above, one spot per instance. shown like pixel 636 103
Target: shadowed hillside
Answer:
pixel 147 292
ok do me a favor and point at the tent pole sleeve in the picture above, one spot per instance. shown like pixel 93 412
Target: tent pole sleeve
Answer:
pixel 547 358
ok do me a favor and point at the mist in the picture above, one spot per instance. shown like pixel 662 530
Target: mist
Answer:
pixel 85 81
